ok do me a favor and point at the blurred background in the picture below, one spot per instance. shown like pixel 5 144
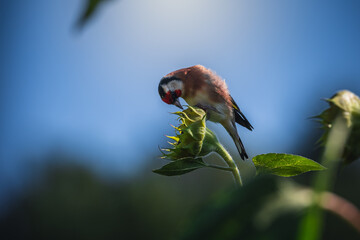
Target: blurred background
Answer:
pixel 81 120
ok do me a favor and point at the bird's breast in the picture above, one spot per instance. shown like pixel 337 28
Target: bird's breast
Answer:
pixel 217 112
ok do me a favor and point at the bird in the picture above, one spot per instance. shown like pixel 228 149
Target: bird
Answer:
pixel 203 88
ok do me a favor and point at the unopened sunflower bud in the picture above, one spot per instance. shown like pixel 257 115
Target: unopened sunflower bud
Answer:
pixel 193 138
pixel 347 105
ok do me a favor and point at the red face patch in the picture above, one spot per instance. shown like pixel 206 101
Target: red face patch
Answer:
pixel 168 98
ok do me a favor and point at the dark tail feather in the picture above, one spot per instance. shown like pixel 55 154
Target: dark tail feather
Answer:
pixel 240 117
pixel 231 129
pixel 240 147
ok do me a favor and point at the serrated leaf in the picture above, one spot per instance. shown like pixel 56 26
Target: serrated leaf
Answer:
pixel 285 165
pixel 180 167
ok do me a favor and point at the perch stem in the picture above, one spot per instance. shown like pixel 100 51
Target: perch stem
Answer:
pixel 230 162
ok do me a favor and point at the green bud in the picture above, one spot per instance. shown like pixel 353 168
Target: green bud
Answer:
pixel 346 105
pixel 193 139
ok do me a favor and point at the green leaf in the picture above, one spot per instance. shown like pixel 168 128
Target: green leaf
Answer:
pixel 285 165
pixel 180 167
pixel 90 7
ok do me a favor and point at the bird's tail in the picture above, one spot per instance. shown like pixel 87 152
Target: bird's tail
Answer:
pixel 231 129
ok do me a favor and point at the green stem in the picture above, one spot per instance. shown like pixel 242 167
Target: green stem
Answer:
pixel 219 167
pixel 312 222
pixel 230 162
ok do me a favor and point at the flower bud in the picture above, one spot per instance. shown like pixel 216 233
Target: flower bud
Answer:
pixel 346 105
pixel 193 138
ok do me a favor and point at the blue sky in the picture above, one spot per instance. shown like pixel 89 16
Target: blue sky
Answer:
pixel 94 92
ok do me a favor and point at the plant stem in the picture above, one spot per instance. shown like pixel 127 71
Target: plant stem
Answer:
pixel 341 207
pixel 312 222
pixel 219 167
pixel 230 162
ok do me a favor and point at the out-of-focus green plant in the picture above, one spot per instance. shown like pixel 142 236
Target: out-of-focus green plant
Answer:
pixel 90 7
pixel 341 139
pixel 346 106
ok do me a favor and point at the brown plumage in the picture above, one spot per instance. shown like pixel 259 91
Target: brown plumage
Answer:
pixel 203 88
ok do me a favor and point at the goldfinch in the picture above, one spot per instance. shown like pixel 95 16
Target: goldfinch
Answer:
pixel 203 88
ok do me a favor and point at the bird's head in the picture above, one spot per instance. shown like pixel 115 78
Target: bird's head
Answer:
pixel 170 89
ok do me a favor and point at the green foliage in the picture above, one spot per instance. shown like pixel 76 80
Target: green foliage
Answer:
pixel 181 166
pixel 65 200
pixel 341 140
pixel 284 165
pixel 88 11
pixel 346 105
pixel 193 140
pixel 238 214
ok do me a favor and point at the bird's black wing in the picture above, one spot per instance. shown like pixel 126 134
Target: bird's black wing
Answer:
pixel 240 117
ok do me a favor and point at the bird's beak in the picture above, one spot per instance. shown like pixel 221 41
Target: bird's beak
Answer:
pixel 178 104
